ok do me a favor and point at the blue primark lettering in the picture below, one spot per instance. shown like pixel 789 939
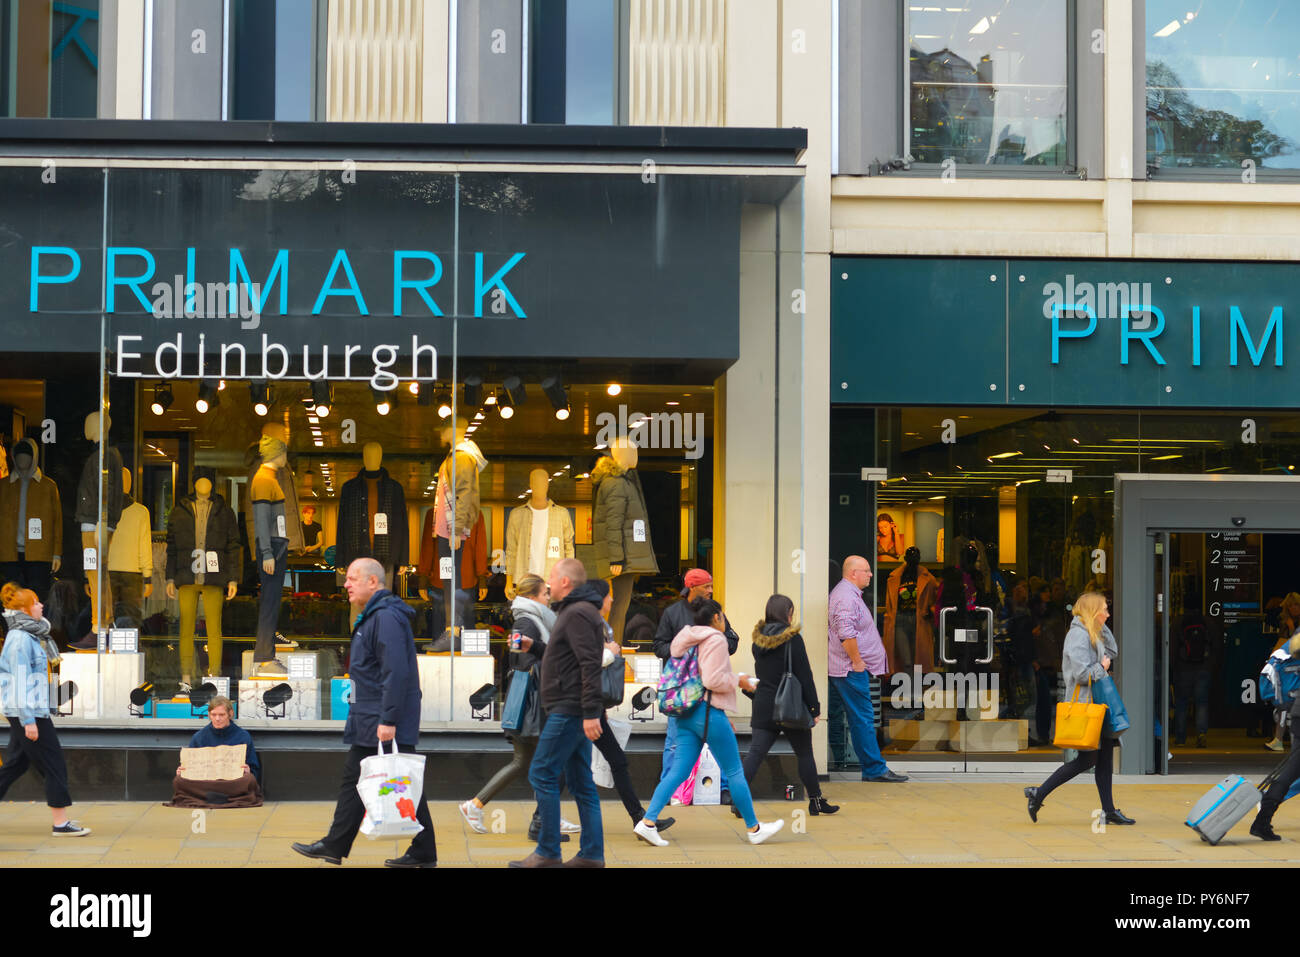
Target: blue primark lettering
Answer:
pixel 481 288
pixel 112 281
pixel 1126 333
pixel 1058 333
pixel 193 295
pixel 1196 335
pixel 326 289
pixel 279 270
pixel 419 285
pixel 37 280
pixel 1238 328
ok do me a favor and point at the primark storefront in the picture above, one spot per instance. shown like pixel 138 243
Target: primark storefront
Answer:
pixel 197 316
pixel 1022 431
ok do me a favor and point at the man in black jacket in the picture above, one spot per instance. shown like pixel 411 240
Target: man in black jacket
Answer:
pixel 573 704
pixel 699 584
pixel 386 705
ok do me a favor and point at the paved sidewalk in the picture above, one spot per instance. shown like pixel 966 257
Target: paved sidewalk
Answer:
pixel 940 821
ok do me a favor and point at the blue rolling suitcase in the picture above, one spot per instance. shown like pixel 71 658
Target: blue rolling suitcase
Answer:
pixel 1215 814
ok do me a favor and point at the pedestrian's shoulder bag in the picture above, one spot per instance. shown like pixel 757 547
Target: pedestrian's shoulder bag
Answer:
pixel 612 677
pixel 789 709
pixel 681 687
pixel 1078 723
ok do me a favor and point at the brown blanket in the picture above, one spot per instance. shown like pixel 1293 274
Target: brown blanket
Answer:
pixel 245 792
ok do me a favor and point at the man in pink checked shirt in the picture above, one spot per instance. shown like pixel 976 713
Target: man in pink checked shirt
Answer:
pixel 854 655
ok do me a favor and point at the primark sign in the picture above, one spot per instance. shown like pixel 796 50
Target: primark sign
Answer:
pixel 1098 333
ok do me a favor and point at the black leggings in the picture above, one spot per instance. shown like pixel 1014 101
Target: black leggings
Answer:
pixel 761 742
pixel 43 754
pixel 1103 758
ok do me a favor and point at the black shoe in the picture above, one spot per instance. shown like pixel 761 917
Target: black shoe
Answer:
pixel 724 797
pixel 736 811
pixel 406 860
pixel 1118 817
pixel 1202 741
pixel 534 832
pixel 1034 803
pixel 891 777
pixel 664 823
pixel 317 851
pixel 819 805
pixel 1264 831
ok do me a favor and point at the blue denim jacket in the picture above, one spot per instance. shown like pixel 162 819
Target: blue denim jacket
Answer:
pixel 24 675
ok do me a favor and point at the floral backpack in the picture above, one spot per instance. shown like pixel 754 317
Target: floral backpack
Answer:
pixel 680 686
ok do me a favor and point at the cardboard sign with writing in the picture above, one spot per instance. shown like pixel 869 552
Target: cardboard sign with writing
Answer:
pixel 222 763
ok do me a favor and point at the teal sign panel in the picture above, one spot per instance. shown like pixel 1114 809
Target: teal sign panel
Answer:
pixel 1063 333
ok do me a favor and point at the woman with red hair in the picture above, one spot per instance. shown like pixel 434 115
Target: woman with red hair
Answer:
pixel 25 699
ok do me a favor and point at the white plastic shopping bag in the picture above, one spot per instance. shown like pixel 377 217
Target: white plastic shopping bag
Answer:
pixel 390 786
pixel 708 780
pixel 601 772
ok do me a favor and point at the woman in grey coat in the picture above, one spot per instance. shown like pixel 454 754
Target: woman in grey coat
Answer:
pixel 1089 650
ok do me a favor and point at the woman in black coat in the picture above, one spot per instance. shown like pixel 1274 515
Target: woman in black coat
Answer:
pixel 773 637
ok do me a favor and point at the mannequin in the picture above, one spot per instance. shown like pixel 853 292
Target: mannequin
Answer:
pixel 98 510
pixel 203 553
pixel 130 560
pixel 288 488
pixel 372 517
pixel 31 522
pixel 537 535
pixel 313 537
pixel 620 528
pixel 456 511
pixel 909 637
pixel 270 541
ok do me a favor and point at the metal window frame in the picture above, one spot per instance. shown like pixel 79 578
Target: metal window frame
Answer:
pixel 984 170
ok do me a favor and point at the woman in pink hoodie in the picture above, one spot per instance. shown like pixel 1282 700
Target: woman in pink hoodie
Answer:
pixel 708 722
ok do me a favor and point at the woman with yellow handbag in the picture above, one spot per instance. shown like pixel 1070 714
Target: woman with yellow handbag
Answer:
pixel 1089 650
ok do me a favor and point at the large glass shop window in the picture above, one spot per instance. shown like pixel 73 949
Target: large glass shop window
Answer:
pixel 222 426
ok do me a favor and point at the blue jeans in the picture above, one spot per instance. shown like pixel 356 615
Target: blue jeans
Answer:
pixel 690 742
pixel 1191 686
pixel 670 752
pixel 563 747
pixel 835 725
pixel 855 692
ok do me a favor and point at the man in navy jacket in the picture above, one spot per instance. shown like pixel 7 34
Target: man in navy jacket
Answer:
pixel 386 706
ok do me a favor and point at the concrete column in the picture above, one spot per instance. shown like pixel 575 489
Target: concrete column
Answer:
pixel 1120 161
pixel 121 60
pixel 752 63
pixel 436 45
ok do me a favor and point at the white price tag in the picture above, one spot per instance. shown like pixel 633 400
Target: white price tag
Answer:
pixel 220 682
pixel 124 640
pixel 638 530
pixel 445 568
pixel 213 564
pixel 34 529
pixel 381 523
pixel 300 667
pixel 89 560
pixel 474 642
pixel 280 530
pixel 553 547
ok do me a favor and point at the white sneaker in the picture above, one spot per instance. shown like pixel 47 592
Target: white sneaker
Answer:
pixel 568 827
pixel 765 831
pixel 648 834
pixel 271 669
pixel 473 815
pixel 674 802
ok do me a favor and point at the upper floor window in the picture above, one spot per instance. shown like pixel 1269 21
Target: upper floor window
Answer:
pixel 49 58
pixel 1223 85
pixel 988 82
pixel 573 62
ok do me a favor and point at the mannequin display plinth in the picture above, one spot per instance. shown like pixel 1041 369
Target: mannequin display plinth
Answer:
pixel 620 529
pixel 31 522
pixel 99 506
pixel 203 563
pixel 130 560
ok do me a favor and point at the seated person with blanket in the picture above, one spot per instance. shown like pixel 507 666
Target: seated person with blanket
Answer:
pixel 245 791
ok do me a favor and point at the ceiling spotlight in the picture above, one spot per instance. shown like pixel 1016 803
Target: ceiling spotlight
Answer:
pixel 322 397
pixel 613 388
pixel 162 398
pixel 415 388
pixel 383 400
pixel 221 385
pixel 513 387
pixel 554 390
pixel 207 397
pixel 505 407
pixel 261 393
pixel 473 391
pixel 444 404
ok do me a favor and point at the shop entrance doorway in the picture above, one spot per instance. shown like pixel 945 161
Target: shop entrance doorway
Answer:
pixel 1204 567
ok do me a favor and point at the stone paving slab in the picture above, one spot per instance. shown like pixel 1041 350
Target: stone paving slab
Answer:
pixel 922 823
